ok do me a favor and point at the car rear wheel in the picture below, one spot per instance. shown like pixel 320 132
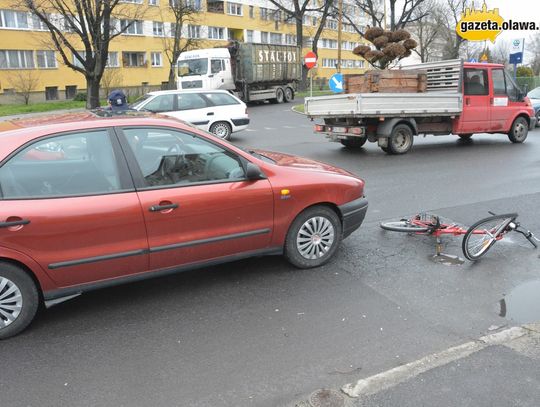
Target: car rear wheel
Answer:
pixel 289 95
pixel 19 300
pixel 401 140
pixel 280 96
pixel 313 237
pixel 518 132
pixel 538 118
pixel 222 130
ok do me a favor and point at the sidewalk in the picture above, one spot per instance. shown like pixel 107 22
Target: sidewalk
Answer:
pixel 497 370
pixel 37 114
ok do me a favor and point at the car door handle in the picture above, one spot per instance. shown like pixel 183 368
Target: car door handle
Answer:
pixel 14 223
pixel 159 208
pixel 210 114
pixel 467 101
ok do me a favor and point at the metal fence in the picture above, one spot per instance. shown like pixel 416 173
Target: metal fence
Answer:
pixel 530 82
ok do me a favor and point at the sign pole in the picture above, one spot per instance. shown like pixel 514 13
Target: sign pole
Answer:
pixel 311 82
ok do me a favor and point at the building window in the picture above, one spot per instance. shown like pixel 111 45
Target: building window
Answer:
pixel 194 31
pixel 264 37
pixel 249 35
pixel 134 59
pixel 157 28
pixel 290 39
pixel 153 2
pixel 194 4
pixel 71 91
pixel 216 33
pixel 13 19
pixel 131 1
pixel 39 25
pixel 331 24
pixel 234 9
pixel 45 59
pixel 251 12
pixel 264 13
pixel 156 59
pixel 275 38
pixel 112 60
pixel 131 27
pixel 51 93
pixel 214 6
pixel 15 59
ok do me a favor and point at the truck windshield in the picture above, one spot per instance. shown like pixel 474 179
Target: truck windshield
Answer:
pixel 189 67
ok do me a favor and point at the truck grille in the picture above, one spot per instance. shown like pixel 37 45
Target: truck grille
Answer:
pixel 191 84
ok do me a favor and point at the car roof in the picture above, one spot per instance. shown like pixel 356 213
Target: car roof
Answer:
pixel 14 133
pixel 177 91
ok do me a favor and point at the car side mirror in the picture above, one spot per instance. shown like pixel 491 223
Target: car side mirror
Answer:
pixel 254 173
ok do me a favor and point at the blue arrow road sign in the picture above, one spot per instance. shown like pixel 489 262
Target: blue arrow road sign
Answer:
pixel 336 83
pixel 474 60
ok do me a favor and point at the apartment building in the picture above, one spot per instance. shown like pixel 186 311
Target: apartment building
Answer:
pixel 137 59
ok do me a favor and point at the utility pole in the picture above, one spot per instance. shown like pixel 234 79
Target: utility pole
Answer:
pixel 340 26
pixel 384 14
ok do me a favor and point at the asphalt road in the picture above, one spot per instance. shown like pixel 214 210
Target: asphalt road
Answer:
pixel 261 333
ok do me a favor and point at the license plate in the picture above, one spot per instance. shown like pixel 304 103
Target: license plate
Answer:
pixel 339 129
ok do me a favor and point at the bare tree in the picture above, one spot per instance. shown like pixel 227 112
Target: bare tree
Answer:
pixel 426 31
pixel 501 52
pixel 402 12
pixel 87 24
pixel 534 49
pixel 24 83
pixel 174 42
pixel 448 15
pixel 111 79
pixel 295 10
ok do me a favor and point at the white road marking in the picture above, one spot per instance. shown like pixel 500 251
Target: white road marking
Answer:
pixel 269 128
pixel 250 130
pixel 289 127
pixel 390 378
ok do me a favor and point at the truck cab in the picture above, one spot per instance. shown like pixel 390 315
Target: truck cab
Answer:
pixel 491 100
pixel 207 69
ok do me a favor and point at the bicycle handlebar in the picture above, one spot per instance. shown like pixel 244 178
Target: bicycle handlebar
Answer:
pixel 529 236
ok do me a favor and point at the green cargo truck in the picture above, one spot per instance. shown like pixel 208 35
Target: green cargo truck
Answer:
pixel 251 71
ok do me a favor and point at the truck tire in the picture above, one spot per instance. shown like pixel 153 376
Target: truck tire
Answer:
pixel 354 142
pixel 221 129
pixel 289 95
pixel 280 96
pixel 401 139
pixel 19 300
pixel 519 130
pixel 465 136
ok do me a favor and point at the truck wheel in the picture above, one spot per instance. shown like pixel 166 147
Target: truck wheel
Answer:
pixel 465 136
pixel 401 139
pixel 313 237
pixel 355 142
pixel 519 130
pixel 221 129
pixel 19 300
pixel 279 96
pixel 289 95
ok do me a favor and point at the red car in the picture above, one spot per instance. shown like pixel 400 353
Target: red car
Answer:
pixel 90 202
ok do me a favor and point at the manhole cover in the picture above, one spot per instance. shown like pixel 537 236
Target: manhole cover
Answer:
pixel 326 398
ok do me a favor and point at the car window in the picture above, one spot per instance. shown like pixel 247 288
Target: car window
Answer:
pixel 189 101
pixel 221 99
pixel 74 164
pixel 534 94
pixel 476 82
pixel 162 103
pixel 499 85
pixel 170 157
pixel 216 65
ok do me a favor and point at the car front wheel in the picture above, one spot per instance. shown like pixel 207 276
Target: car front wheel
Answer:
pixel 19 300
pixel 313 237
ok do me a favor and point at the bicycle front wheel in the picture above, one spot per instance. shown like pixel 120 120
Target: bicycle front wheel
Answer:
pixel 481 236
pixel 404 226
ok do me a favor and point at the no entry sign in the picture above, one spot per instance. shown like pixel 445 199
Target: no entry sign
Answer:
pixel 310 60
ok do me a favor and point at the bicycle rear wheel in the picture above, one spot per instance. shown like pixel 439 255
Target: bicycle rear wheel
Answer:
pixel 404 226
pixel 481 236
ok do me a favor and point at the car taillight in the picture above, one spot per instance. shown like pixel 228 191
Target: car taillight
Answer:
pixel 246 111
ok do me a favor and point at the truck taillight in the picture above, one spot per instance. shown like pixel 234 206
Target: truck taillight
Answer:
pixel 319 127
pixel 356 130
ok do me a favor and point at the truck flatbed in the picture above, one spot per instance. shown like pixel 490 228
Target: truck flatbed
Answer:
pixel 385 104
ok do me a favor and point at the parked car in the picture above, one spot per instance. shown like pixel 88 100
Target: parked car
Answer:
pixel 534 97
pixel 93 202
pixel 216 111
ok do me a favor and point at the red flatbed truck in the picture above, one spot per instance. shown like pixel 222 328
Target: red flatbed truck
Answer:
pixel 462 99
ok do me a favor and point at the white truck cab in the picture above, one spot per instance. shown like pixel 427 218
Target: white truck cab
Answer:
pixel 205 69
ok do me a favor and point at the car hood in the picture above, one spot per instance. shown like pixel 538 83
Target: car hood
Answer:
pixel 293 161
